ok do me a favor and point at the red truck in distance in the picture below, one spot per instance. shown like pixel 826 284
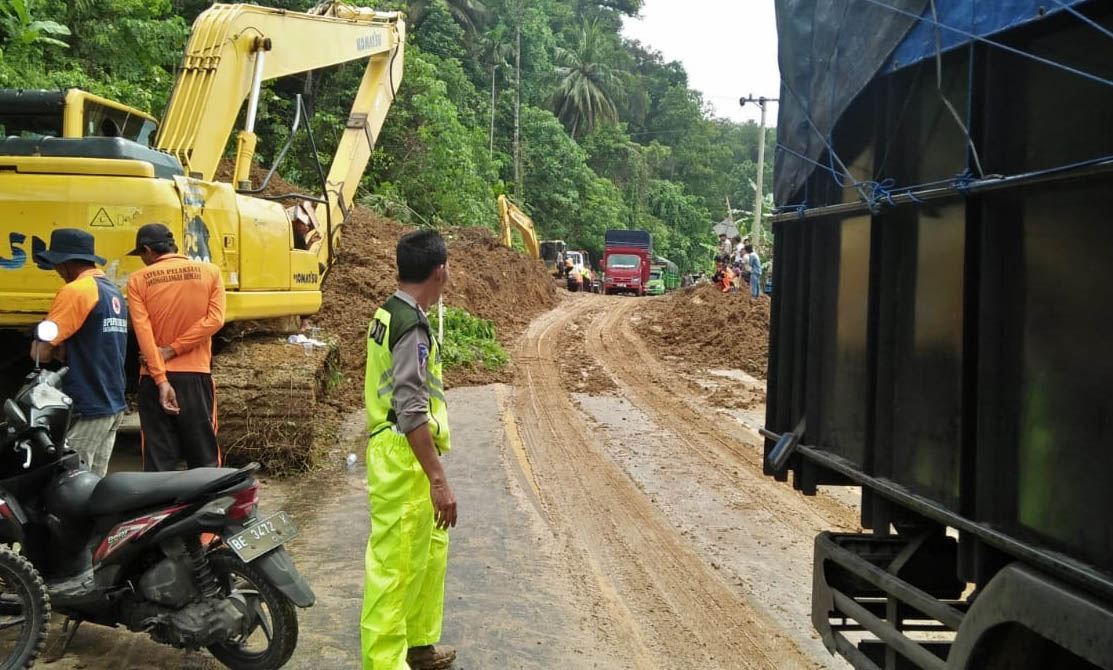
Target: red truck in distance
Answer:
pixel 626 259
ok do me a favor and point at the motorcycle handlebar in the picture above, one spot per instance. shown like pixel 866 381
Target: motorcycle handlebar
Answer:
pixel 55 378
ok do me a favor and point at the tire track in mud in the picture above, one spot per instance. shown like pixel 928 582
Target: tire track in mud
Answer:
pixel 651 597
pixel 612 340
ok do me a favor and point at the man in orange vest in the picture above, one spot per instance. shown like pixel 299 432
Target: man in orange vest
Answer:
pixel 176 306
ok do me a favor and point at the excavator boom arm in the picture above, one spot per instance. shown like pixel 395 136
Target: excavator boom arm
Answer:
pixel 510 215
pixel 233 48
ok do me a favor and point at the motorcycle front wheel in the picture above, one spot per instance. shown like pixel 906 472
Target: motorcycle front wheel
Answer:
pixel 24 611
pixel 274 634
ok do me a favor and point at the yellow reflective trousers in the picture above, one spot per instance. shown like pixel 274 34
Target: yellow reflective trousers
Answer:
pixel 403 593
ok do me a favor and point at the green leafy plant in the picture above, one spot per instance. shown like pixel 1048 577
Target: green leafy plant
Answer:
pixel 469 340
pixel 22 27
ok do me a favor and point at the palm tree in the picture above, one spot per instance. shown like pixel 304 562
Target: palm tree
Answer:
pixel 587 87
pixel 495 51
pixel 470 14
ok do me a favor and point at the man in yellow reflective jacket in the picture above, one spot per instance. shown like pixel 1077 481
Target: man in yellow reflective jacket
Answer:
pixel 412 505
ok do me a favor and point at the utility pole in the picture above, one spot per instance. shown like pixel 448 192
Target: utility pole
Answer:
pixel 730 212
pixel 761 102
pixel 491 144
pixel 517 107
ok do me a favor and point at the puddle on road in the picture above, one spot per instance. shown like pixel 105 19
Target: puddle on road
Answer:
pixel 739 376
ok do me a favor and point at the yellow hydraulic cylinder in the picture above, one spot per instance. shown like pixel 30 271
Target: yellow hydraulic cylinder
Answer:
pixel 245 153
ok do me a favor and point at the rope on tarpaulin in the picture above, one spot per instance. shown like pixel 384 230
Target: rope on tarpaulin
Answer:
pixel 1000 45
pixel 875 192
pixel 964 125
pixel 1085 19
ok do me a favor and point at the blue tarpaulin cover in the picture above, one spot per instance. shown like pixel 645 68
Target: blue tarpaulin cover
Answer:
pixel 831 49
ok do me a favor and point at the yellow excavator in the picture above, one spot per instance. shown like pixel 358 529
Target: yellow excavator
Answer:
pixel 74 160
pixel 550 252
pixel 512 217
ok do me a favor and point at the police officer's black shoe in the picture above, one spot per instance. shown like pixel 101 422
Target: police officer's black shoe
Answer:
pixel 429 657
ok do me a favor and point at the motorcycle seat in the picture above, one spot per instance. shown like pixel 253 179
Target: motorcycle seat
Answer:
pixel 126 491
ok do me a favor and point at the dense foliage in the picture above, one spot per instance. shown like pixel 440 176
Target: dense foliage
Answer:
pixel 610 134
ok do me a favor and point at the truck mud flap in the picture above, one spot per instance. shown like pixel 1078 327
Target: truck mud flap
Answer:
pixel 279 568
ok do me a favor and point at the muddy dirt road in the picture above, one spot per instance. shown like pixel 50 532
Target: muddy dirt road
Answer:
pixel 613 516
pixel 507 602
pixel 685 555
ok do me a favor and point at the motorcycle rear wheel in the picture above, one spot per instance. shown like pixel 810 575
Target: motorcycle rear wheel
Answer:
pixel 277 629
pixel 24 603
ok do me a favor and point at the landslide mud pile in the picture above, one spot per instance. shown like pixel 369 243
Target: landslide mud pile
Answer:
pixel 485 278
pixel 282 407
pixel 709 329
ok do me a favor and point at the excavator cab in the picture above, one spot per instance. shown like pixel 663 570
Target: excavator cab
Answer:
pixel 552 253
pixel 71 113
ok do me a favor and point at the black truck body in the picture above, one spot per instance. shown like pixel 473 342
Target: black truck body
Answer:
pixel 942 330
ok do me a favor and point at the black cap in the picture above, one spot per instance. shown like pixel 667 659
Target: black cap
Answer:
pixel 68 244
pixel 150 234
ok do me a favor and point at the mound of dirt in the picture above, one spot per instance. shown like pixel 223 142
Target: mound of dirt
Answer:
pixel 709 329
pixel 273 398
pixel 269 396
pixel 485 278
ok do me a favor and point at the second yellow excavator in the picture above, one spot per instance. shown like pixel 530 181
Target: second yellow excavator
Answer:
pixel 512 217
pixel 550 252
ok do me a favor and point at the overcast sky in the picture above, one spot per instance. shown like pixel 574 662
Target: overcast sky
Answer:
pixel 728 47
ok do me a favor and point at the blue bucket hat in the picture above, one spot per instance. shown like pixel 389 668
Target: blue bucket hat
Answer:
pixel 68 244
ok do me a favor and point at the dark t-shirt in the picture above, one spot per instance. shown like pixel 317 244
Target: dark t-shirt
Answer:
pixel 92 319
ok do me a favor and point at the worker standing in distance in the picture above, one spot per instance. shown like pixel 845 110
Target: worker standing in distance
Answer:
pixel 92 339
pixel 724 248
pixel 754 268
pixel 587 279
pixel 412 505
pixel 177 304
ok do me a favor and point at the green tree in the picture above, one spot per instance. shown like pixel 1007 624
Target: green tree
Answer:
pixel 496 49
pixel 688 222
pixel 470 14
pixel 631 144
pixel 20 26
pixel 121 49
pixel 588 85
pixel 429 163
pixel 611 152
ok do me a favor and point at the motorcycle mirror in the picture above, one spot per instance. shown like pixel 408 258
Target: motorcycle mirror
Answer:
pixel 15 414
pixel 46 331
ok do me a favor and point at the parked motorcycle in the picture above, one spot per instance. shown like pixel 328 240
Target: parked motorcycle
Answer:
pixel 128 549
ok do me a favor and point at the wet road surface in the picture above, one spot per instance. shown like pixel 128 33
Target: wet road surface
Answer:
pixel 506 603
